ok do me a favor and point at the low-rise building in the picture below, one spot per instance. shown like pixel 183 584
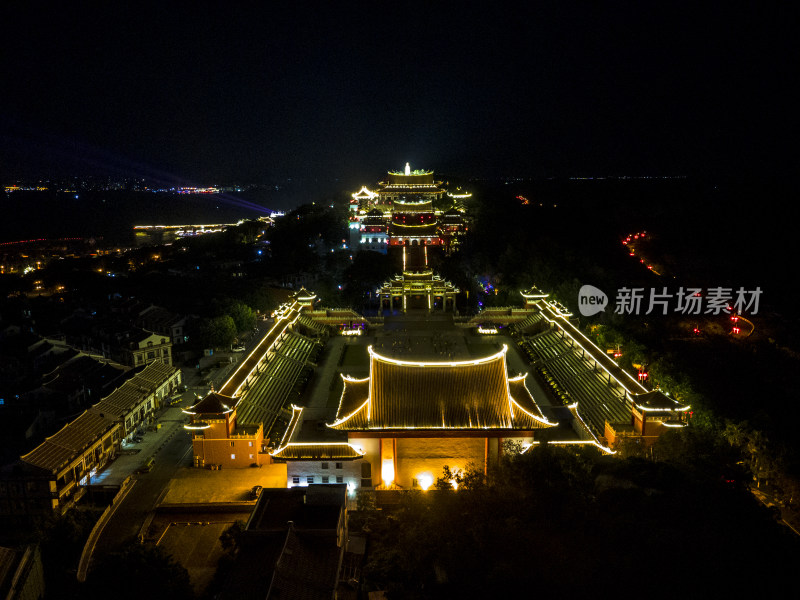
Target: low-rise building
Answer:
pixel 140 347
pixel 51 477
pixel 217 441
pixel 292 546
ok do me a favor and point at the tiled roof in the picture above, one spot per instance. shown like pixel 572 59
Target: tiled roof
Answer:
pixel 122 400
pixel 307 567
pixel 131 393
pixel 214 404
pixel 321 451
pixel 156 373
pixel 523 405
pixel 68 443
pixel 62 447
pixel 656 400
pixel 443 395
pixel 354 395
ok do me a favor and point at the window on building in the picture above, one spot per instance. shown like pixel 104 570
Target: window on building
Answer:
pixel 233 457
pixel 295 480
pixel 310 479
pixel 250 444
pixel 324 465
pixel 251 457
pixel 325 479
pixel 338 465
pixel 339 479
pixel 232 444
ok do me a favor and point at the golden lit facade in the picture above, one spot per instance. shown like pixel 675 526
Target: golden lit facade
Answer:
pixel 418 290
pixel 399 212
pixel 410 418
pixel 216 440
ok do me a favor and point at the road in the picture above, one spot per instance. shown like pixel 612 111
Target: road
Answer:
pixel 124 525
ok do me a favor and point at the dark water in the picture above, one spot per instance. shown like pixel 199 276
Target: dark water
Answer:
pixel 112 215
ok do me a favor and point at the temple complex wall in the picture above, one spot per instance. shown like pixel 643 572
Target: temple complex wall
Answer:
pixel 228 453
pixel 428 456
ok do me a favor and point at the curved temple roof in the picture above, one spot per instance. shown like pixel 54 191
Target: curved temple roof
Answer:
pixel 475 394
pixel 213 403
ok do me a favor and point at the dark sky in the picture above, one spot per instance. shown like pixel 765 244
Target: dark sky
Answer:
pixel 296 89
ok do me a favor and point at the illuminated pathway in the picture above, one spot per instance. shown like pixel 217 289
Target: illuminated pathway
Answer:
pixel 284 317
pixel 620 375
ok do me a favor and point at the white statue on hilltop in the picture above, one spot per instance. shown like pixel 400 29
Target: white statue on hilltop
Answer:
pixel 408 169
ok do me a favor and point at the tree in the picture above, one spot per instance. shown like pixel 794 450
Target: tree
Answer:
pixel 218 332
pixel 243 316
pixel 231 537
pixel 139 570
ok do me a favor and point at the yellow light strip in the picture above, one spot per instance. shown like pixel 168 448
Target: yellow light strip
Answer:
pixel 297 412
pixel 572 443
pixel 586 428
pixel 645 409
pixel 295 444
pixel 524 378
pixel 588 342
pixel 410 363
pixel 345 418
pixel 542 420
pixel 274 327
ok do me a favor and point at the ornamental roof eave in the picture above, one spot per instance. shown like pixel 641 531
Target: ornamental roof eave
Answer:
pixel 533 292
pixel 471 395
pixel 311 451
pixel 213 403
pixel 658 401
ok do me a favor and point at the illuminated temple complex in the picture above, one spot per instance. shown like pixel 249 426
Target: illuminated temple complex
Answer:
pixel 408 419
pixel 427 393
pixel 400 212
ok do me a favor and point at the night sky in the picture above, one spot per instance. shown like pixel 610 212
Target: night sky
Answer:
pixel 232 94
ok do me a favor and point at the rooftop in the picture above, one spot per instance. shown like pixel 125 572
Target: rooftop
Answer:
pixel 314 507
pixel 62 447
pixel 474 394
pixel 214 403
pixel 318 451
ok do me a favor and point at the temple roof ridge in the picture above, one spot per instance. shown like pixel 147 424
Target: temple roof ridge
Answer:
pixel 473 394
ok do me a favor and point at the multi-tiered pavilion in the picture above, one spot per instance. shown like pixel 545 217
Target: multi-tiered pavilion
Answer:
pixel 399 213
